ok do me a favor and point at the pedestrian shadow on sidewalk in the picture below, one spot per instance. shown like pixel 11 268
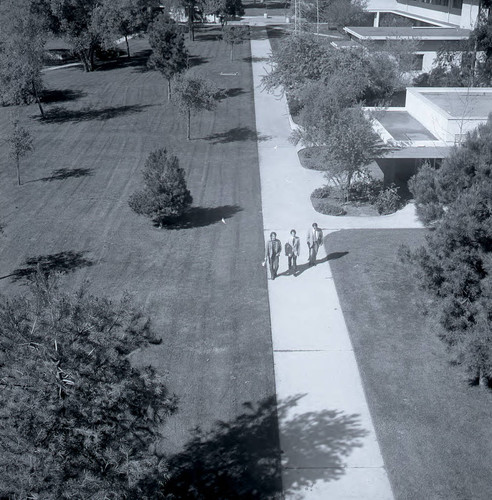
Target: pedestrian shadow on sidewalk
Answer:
pixel 241 459
pixel 304 267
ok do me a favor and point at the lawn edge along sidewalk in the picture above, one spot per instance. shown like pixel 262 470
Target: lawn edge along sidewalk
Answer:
pixel 314 360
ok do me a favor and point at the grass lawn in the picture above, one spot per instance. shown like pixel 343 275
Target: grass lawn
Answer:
pixel 202 284
pixel 272 8
pixel 434 430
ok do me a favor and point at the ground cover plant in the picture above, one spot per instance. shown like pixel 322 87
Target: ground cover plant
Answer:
pixel 202 281
pixel 433 428
pixel 367 194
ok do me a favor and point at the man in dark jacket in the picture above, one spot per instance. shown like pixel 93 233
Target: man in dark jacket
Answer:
pixel 272 254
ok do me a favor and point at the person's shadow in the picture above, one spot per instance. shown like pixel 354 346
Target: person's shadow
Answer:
pixel 304 267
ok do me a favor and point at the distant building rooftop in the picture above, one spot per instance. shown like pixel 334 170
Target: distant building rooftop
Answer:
pixel 462 103
pixel 407 32
pixel 404 127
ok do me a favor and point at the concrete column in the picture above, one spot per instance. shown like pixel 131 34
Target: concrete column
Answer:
pixel 376 19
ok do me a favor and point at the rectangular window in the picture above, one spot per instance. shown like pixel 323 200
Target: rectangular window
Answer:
pixel 418 62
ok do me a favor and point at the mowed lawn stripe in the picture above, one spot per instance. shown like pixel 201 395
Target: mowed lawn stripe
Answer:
pixel 203 285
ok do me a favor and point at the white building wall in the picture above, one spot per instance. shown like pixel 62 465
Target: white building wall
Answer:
pixel 431 116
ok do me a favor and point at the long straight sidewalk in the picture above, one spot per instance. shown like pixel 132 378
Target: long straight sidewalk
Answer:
pixel 329 446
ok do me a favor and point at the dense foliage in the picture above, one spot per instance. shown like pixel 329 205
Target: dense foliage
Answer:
pixel 337 13
pixel 193 93
pixel 23 33
pixel 455 266
pixel 165 194
pixel 20 144
pixel 235 35
pixel 169 54
pixel 78 420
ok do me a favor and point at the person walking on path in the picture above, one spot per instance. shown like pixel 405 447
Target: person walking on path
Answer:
pixel 293 249
pixel 272 254
pixel 314 240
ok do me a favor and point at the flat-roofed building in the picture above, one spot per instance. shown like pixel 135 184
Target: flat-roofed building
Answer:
pixel 462 13
pixel 429 39
pixel 433 120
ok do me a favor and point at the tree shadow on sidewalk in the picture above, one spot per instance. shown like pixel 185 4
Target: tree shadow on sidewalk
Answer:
pixel 242 459
pixel 62 262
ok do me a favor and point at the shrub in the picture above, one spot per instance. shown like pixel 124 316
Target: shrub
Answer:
pixel 321 192
pixel 365 190
pixel 388 201
pixel 165 194
pixel 423 187
pixel 327 207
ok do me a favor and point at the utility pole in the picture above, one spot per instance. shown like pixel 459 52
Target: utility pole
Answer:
pixel 317 17
pixel 295 17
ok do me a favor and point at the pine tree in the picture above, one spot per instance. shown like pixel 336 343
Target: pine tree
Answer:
pixel 165 195
pixel 77 419
pixel 455 266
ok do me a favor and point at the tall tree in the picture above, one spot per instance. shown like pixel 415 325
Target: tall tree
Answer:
pixel 193 93
pixel 349 147
pixel 78 22
pixel 165 194
pixel 337 13
pixel 235 35
pixel 455 265
pixel 123 19
pixel 23 33
pixel 234 8
pixel 78 419
pixel 169 54
pixel 20 144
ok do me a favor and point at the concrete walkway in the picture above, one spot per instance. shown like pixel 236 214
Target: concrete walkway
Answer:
pixel 330 449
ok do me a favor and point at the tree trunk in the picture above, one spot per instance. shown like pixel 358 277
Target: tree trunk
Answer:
pixel 482 379
pixel 168 89
pixel 91 58
pixel 38 100
pixel 18 170
pixel 127 47
pixel 85 61
pixel 188 125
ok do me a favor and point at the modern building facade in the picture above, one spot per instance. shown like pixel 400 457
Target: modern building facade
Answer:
pixel 459 13
pixel 433 121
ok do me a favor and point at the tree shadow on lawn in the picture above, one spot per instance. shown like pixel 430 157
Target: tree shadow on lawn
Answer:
pixel 242 459
pixel 196 61
pixel 64 173
pixel 60 114
pixel 61 95
pixel 304 267
pixel 201 217
pixel 237 134
pixel 138 60
pixel 232 92
pixel 251 59
pixel 62 262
